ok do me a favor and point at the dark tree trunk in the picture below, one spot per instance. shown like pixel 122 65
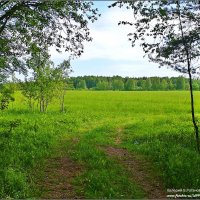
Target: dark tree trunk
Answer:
pixel 193 113
pixel 186 47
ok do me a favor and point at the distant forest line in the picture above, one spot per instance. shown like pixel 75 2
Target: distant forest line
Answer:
pixel 119 83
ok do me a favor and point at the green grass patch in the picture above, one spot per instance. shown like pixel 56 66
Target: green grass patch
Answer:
pixel 103 177
pixel 156 124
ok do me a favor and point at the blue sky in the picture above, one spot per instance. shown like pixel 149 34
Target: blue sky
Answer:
pixel 110 53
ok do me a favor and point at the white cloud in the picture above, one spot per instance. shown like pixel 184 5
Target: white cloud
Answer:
pixel 110 41
pixel 110 44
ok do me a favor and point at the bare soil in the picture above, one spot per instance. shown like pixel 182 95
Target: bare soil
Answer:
pixel 140 171
pixel 58 176
pixel 60 171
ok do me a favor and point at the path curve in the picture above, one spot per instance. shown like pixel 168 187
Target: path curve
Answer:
pixel 141 172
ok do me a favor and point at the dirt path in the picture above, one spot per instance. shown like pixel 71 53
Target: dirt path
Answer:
pixel 58 176
pixel 141 172
pixel 60 171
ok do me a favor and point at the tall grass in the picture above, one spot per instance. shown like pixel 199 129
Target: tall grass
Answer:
pixel 156 124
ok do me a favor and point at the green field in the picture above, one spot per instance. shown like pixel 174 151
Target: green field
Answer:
pixel 154 125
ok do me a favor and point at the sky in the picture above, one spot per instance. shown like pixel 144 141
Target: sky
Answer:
pixel 110 53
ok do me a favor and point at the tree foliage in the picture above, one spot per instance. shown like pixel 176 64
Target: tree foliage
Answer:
pixel 81 85
pixel 103 85
pixel 47 81
pixel 167 30
pixel 60 77
pixel 32 25
pixel 133 84
pixel 118 85
pixel 6 96
pixel 130 85
pixel 169 33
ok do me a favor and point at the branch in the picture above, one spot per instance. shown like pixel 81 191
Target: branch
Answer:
pixel 3 26
pixel 3 3
pixel 11 11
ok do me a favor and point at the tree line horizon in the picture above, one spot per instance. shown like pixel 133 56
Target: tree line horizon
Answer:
pixel 118 83
pixel 29 28
pixel 168 32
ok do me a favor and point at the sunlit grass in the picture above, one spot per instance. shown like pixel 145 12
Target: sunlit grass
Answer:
pixel 156 124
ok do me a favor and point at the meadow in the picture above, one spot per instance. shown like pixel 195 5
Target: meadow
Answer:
pixel 154 125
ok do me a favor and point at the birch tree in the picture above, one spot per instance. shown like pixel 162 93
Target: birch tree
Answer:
pixel 169 33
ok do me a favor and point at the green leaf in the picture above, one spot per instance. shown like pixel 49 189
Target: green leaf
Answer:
pixel 162 12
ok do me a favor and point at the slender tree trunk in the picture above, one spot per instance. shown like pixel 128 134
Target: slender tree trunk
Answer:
pixel 46 105
pixel 43 106
pixel 196 130
pixel 30 104
pixel 62 103
pixel 40 105
pixel 193 112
